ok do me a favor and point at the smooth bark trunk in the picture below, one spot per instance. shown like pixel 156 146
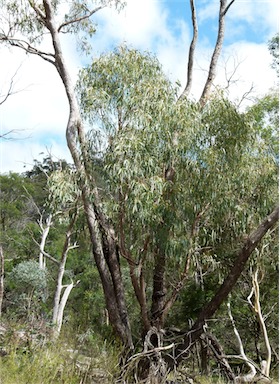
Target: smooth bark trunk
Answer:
pixel 224 7
pixel 45 231
pixel 187 89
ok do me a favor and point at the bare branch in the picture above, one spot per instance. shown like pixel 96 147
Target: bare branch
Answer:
pixel 228 6
pixel 257 309
pixel 245 95
pixel 24 45
pixel 6 135
pixel 46 254
pixel 78 19
pixel 151 352
pixel 249 376
pixel 187 89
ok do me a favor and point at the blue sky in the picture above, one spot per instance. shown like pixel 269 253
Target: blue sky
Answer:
pixel 164 27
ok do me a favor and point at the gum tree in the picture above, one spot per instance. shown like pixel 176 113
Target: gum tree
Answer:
pixel 186 184
pixel 173 129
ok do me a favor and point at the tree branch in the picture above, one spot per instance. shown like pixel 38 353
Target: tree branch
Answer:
pixel 78 19
pixel 22 44
pixel 248 247
pixel 187 89
pixel 229 282
pixel 257 309
pixel 249 376
pixel 216 53
pixel 38 11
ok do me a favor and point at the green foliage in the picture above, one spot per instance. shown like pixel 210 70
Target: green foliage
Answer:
pixel 63 190
pixel 265 116
pixel 26 287
pixel 273 46
pixel 224 182
pixel 28 276
pixel 218 160
pixel 26 20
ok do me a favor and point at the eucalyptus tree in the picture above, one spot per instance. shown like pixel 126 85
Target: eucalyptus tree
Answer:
pixel 179 194
pixel 186 183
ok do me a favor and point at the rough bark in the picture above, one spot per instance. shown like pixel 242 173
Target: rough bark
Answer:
pixel 159 289
pixel 229 282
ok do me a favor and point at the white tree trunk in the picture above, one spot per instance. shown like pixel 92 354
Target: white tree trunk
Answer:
pixel 265 365
pixel 57 321
pixel 45 232
pixel 249 376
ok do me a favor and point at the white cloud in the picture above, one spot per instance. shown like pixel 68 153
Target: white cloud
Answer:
pixel 258 14
pixel 139 24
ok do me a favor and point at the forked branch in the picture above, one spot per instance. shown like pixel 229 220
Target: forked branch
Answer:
pixel 81 18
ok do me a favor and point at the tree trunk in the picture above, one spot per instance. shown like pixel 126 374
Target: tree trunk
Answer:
pixel 60 310
pixel 161 235
pixel 45 232
pixel 229 282
pixel 102 235
pixel 224 7
pixel 257 309
pixel 60 302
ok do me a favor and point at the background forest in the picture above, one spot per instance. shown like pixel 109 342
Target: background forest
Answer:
pixel 153 257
